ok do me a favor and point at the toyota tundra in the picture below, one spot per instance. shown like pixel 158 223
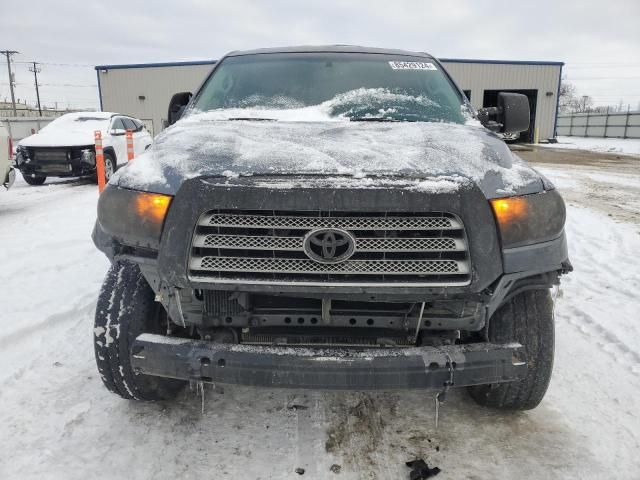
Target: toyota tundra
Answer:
pixel 331 218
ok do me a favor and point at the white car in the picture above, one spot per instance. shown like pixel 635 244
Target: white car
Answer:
pixel 66 147
pixel 7 174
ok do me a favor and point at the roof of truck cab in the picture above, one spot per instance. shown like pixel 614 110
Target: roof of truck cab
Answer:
pixel 330 49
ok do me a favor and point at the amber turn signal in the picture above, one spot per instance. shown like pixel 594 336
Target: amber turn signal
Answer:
pixel 152 206
pixel 527 219
pixel 510 210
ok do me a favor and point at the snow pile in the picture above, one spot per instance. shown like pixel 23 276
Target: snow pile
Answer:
pixel 628 146
pixel 440 184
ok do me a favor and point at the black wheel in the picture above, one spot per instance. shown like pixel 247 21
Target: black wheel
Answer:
pixel 528 319
pixel 34 178
pixel 109 166
pixel 126 308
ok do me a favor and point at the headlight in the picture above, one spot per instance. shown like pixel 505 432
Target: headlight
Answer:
pixel 22 155
pixel 133 218
pixel 530 218
pixel 88 156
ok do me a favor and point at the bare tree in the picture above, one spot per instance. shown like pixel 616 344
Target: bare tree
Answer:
pixel 584 104
pixel 567 99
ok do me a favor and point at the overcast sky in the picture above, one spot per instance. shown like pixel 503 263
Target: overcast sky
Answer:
pixel 598 40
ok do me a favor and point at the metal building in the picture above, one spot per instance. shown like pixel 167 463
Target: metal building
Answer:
pixel 144 90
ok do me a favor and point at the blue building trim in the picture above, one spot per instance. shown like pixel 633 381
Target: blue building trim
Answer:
pixel 500 62
pixel 99 90
pixel 152 65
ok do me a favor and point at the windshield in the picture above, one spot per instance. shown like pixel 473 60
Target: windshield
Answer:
pixel 351 85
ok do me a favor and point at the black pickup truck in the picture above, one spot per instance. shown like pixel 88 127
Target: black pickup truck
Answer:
pixel 331 218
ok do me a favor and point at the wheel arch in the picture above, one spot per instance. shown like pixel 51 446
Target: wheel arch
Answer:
pixel 111 152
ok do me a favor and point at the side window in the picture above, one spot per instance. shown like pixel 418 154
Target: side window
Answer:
pixel 117 124
pixel 129 124
pixel 468 94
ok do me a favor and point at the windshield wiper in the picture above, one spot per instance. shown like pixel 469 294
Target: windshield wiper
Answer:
pixel 379 119
pixel 372 119
pixel 253 119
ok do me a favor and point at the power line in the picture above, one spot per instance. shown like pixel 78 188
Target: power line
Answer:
pixel 79 65
pixel 56 84
pixel 68 85
pixel 604 63
pixel 603 78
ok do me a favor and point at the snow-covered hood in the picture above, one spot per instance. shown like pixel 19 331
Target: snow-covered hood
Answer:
pixel 57 138
pixel 70 130
pixel 436 155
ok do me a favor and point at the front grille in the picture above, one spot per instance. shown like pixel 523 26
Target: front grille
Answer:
pixel 50 155
pixel 268 246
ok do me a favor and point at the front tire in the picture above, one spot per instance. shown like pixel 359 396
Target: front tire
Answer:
pixel 34 178
pixel 109 167
pixel 527 319
pixel 125 309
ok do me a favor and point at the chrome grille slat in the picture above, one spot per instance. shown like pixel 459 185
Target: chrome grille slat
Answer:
pixel 352 267
pixel 263 246
pixel 348 223
pixel 296 243
pixel 248 242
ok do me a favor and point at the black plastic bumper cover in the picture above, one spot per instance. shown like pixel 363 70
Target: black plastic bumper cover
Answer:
pixel 330 368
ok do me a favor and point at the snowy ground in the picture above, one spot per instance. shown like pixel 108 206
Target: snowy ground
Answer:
pixel 58 422
pixel 629 146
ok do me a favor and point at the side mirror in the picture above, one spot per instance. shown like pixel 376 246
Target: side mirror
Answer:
pixel 511 115
pixel 515 112
pixel 178 103
pixel 118 131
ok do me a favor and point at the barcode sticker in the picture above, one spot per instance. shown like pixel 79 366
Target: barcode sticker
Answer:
pixel 412 66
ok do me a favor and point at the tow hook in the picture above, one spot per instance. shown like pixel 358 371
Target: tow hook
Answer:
pixel 441 396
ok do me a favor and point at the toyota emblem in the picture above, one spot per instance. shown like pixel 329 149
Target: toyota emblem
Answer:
pixel 329 245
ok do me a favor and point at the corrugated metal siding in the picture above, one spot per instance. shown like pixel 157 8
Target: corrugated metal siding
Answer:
pixel 120 89
pixel 610 125
pixel 479 77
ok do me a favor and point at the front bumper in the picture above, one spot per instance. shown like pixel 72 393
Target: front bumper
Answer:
pixel 330 368
pixel 74 165
pixel 9 178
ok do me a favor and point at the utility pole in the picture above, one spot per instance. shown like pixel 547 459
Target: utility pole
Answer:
pixel 8 54
pixel 36 69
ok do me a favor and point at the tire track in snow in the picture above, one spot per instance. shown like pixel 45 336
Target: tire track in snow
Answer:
pixel 606 340
pixel 84 305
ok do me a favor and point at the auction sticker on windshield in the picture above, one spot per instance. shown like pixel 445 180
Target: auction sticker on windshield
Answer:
pixel 412 66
